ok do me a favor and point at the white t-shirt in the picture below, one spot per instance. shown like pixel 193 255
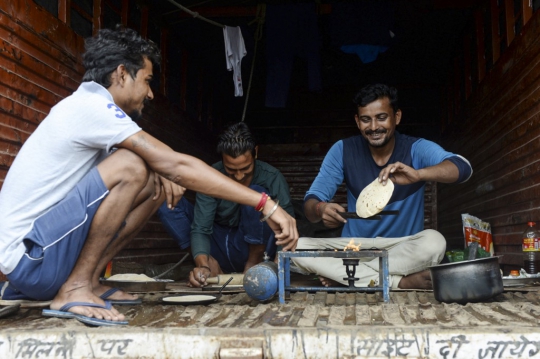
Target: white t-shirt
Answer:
pixel 235 50
pixel 78 133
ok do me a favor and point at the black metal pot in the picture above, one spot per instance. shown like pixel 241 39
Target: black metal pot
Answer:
pixel 468 281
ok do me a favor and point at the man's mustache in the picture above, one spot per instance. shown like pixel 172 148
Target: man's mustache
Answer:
pixel 378 131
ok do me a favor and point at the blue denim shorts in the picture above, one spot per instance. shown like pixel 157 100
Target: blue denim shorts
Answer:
pixel 229 245
pixel 55 241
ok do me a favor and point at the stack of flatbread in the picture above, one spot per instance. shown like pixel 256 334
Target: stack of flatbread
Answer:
pixel 374 198
pixel 131 277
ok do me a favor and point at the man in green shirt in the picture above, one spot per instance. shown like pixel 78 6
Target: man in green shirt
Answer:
pixel 226 237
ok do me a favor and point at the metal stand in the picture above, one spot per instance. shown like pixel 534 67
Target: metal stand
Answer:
pixel 350 268
pixel 350 261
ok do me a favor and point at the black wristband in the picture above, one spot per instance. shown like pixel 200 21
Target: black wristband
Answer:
pixel 205 267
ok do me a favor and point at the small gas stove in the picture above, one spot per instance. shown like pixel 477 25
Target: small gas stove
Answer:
pixel 350 259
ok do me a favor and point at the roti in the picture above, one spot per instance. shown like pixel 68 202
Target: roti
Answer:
pixel 374 198
pixel 189 298
pixel 131 277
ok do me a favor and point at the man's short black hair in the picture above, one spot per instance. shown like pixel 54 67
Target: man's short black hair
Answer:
pixel 112 48
pixel 371 93
pixel 236 140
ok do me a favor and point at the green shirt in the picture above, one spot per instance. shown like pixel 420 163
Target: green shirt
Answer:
pixel 226 213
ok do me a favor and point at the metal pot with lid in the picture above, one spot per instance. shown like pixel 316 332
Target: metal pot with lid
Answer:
pixel 467 281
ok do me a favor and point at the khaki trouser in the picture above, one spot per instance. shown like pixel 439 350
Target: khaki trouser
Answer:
pixel 406 255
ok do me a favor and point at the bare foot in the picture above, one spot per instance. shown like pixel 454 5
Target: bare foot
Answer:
pixel 418 280
pixel 118 295
pixel 329 282
pixel 83 293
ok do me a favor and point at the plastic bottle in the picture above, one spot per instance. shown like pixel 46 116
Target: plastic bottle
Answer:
pixel 531 250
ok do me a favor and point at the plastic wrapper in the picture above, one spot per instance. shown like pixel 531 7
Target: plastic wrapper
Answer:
pixel 474 230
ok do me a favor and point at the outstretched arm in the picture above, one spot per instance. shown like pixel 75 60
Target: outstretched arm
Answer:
pixel 192 173
pixel 445 172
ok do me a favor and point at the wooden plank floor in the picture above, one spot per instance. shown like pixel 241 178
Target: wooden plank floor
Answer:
pixel 514 307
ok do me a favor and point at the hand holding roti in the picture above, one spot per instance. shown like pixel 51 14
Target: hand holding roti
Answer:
pixel 374 198
pixel 401 174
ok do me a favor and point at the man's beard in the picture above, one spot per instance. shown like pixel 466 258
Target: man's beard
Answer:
pixel 385 139
pixel 135 115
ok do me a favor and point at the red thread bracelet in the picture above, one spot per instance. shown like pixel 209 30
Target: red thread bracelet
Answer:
pixel 262 202
pixel 317 208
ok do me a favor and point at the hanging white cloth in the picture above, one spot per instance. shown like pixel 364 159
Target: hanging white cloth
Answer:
pixel 235 50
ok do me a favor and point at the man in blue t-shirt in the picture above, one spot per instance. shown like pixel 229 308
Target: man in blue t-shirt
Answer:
pixel 381 152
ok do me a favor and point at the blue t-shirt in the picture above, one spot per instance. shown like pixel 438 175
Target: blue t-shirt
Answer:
pixel 350 161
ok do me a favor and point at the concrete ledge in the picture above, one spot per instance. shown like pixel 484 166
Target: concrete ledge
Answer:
pixel 331 342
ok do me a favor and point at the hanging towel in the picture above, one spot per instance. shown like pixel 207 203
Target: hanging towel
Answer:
pixel 235 50
pixel 366 53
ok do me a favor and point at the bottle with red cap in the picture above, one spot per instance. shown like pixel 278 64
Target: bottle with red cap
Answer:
pixel 531 250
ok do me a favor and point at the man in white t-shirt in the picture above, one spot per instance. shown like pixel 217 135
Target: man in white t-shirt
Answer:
pixel 88 179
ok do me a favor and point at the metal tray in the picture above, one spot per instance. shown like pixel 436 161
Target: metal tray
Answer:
pixel 23 303
pixel 191 299
pixel 231 288
pixel 130 286
pixel 521 282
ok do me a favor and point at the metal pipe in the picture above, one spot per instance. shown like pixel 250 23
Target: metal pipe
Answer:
pixel 195 14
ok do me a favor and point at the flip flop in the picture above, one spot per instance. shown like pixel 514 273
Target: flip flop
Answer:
pixel 57 314
pixel 64 314
pixel 107 294
pixel 99 322
pixel 10 309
